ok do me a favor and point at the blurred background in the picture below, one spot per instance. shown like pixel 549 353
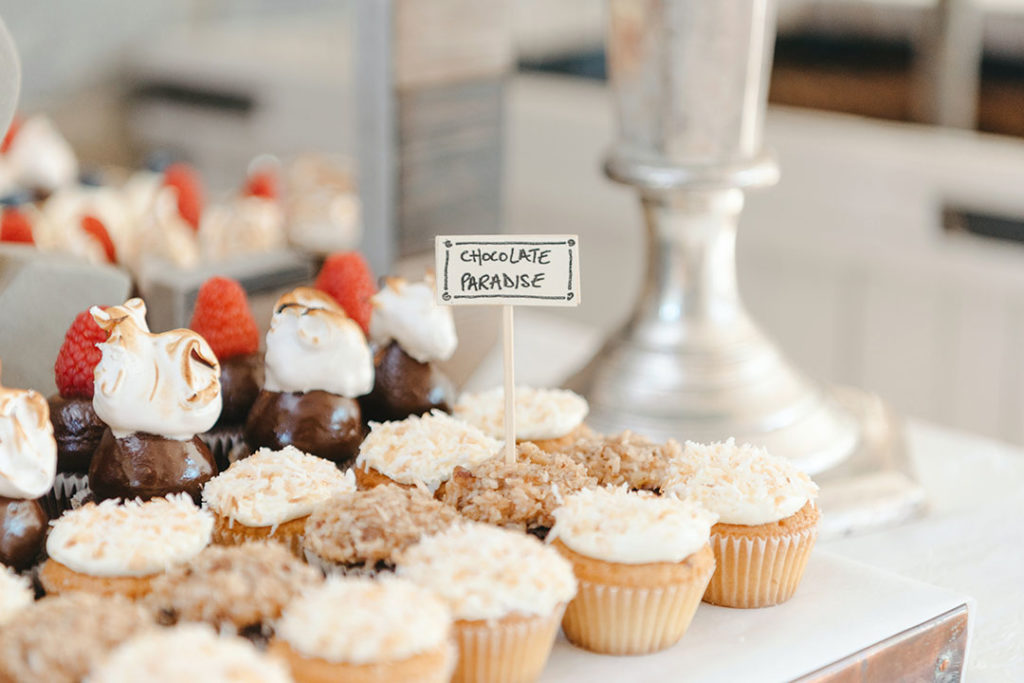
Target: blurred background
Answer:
pixel 888 257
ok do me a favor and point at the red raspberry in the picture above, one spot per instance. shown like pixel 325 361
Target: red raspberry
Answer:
pixel 78 357
pixel 186 181
pixel 261 184
pixel 347 277
pixel 15 227
pixel 222 316
pixel 94 227
pixel 12 132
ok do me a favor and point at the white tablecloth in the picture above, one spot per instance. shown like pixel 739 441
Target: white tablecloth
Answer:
pixel 971 539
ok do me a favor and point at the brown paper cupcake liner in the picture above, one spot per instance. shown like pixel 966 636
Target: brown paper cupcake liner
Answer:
pixel 65 486
pixel 288 534
pixel 631 620
pixel 507 650
pixel 758 571
pixel 434 666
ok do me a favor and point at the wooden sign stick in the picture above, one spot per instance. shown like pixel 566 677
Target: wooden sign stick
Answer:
pixel 508 337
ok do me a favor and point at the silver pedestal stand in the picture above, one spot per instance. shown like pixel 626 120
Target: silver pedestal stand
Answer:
pixel 689 80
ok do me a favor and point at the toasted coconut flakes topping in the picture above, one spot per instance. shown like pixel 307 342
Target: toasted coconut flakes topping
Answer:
pixel 15 594
pixel 540 413
pixel 626 458
pixel 272 487
pixel 484 572
pixel 130 539
pixel 360 621
pixel 424 449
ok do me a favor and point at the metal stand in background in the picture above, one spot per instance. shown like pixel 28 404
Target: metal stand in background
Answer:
pixel 689 81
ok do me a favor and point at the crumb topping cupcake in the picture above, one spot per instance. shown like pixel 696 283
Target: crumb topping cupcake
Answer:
pixel 15 594
pixel 626 458
pixel 113 547
pixel 389 625
pixel 507 592
pixel 365 530
pixel 768 520
pixel 270 494
pixel 240 588
pixel 421 450
pixel 542 415
pixel 60 639
pixel 643 563
pixel 521 495
pixel 190 652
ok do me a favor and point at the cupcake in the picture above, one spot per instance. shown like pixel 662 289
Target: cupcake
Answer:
pixel 550 418
pixel 223 318
pixel 358 629
pixel 364 531
pixel 76 426
pixel 625 459
pixel 155 392
pixel 521 495
pixel 239 589
pixel 420 451
pixel 190 652
pixel 109 548
pixel 28 461
pixel 317 364
pixel 60 639
pixel 642 562
pixel 767 520
pixel 412 333
pixel 507 592
pixel 270 494
pixel 15 594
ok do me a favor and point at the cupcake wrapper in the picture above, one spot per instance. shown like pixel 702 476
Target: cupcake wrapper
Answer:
pixel 239 534
pixel 624 620
pixel 332 569
pixel 758 572
pixel 227 444
pixel 65 486
pixel 81 498
pixel 505 651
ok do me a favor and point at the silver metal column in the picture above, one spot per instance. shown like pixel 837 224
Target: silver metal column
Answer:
pixel 689 81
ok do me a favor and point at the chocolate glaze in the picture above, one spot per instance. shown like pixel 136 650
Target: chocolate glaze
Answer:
pixel 240 380
pixel 77 429
pixel 403 386
pixel 147 466
pixel 316 422
pixel 22 531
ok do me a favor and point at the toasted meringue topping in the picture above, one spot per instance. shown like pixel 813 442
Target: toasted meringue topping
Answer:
pixel 313 345
pixel 540 413
pixel 41 157
pixel 165 384
pixel 165 235
pixel 408 313
pixel 245 225
pixel 28 452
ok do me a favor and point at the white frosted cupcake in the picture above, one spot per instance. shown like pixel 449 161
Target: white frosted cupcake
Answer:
pixel 190 652
pixel 767 519
pixel 270 495
pixel 15 594
pixel 111 548
pixel 642 562
pixel 550 418
pixel 507 592
pixel 420 451
pixel 358 629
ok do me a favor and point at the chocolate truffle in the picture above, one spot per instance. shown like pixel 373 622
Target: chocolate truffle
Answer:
pixel 78 430
pixel 146 466
pixel 22 532
pixel 403 386
pixel 316 422
pixel 240 380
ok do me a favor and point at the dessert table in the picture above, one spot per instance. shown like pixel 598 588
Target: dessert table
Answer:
pixel 969 541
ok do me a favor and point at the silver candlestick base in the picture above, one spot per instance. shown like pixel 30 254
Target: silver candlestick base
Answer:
pixel 688 81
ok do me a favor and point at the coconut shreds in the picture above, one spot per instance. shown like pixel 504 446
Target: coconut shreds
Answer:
pixel 61 638
pixel 231 586
pixel 15 594
pixel 522 495
pixel 626 458
pixel 370 527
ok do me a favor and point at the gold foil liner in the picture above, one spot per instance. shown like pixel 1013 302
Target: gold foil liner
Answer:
pixel 508 650
pixel 634 609
pixel 289 534
pixel 434 666
pixel 758 571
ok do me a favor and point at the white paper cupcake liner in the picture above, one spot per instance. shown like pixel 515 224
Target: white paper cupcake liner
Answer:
pixel 507 650
pixel 227 444
pixel 758 572
pixel 65 486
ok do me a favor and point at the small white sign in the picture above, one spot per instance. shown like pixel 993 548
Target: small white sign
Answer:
pixel 513 270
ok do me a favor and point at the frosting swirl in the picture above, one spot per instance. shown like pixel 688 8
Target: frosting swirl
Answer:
pixel 540 413
pixel 28 451
pixel 40 156
pixel 408 313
